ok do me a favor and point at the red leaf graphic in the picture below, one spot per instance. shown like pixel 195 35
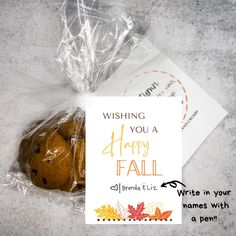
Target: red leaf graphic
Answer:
pixel 137 213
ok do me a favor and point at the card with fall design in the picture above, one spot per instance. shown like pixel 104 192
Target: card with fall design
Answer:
pixel 133 160
pixel 147 72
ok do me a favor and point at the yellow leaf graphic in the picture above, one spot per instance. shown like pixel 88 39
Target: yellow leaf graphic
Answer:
pixel 108 212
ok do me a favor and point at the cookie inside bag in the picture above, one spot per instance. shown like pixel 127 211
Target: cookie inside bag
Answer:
pixel 53 156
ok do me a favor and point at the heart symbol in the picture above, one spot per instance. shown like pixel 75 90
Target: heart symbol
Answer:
pixel 114 187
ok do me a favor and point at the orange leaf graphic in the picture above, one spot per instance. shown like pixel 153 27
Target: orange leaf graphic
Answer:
pixel 160 216
pixel 164 215
pixel 157 212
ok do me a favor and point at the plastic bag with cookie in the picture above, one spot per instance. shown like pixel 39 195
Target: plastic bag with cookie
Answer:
pixel 96 39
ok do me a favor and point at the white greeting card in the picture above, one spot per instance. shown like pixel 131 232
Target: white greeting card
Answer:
pixel 133 154
pixel 147 72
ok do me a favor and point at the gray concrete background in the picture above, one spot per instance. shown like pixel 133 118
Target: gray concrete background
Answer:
pixel 199 36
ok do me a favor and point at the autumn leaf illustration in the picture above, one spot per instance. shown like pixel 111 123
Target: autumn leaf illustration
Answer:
pixel 108 212
pixel 165 215
pixel 123 212
pixel 150 207
pixel 137 213
pixel 160 216
pixel 157 214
